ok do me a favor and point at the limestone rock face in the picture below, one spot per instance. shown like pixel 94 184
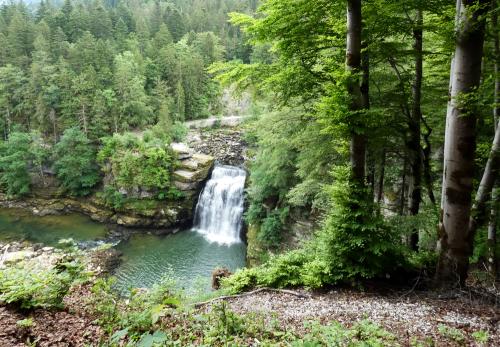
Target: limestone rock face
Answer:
pixel 188 178
pixel 193 171
pixel 182 150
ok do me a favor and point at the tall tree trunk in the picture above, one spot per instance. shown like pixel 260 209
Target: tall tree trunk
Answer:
pixel 353 65
pixel 490 174
pixel 496 107
pixel 454 243
pixel 492 226
pixel 380 192
pixel 415 193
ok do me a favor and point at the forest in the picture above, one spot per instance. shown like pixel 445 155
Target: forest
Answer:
pixel 370 143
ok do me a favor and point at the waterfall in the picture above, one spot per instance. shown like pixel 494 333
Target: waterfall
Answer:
pixel 219 212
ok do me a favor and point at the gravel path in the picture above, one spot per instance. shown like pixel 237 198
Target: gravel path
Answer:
pixel 420 314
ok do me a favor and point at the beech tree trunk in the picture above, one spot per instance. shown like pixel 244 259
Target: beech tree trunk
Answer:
pixel 496 108
pixel 483 194
pixel 455 243
pixel 492 226
pixel 353 65
pixel 415 149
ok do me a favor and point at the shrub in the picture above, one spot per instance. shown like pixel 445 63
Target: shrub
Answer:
pixel 364 333
pixel 179 131
pixel 270 232
pixel 139 313
pixel 138 163
pixel 354 244
pixel 112 197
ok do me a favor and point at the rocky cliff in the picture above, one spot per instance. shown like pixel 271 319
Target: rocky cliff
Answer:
pixel 141 209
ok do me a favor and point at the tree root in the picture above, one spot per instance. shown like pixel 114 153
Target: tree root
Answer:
pixel 263 289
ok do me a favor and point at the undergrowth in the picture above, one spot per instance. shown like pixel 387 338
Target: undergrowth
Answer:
pixel 354 244
pixel 161 317
pixel 29 285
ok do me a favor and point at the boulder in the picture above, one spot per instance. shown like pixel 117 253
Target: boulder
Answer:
pixel 182 150
pixel 129 221
pixel 185 176
pixel 184 186
pixel 16 256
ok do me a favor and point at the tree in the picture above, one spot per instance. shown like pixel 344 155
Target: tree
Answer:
pixel 20 39
pixel 75 162
pixel 13 85
pixel 492 226
pixel 129 86
pixel 416 160
pixel 455 241
pixel 353 67
pixel 14 164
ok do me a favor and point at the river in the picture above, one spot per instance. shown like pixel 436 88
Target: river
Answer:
pixel 188 257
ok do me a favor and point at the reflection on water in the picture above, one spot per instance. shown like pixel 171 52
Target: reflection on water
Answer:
pixel 18 225
pixel 187 257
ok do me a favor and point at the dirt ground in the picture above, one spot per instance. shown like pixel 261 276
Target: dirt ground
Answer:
pixel 405 314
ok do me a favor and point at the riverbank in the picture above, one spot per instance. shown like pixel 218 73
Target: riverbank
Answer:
pixel 167 217
pixel 51 326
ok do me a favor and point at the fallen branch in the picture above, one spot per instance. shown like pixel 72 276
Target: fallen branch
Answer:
pixel 263 289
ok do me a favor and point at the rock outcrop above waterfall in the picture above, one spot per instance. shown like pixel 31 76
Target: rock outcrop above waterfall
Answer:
pixel 193 171
pixel 226 145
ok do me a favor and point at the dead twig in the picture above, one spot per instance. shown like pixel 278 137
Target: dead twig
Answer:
pixel 263 289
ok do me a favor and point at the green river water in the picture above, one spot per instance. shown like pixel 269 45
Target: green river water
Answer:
pixel 187 257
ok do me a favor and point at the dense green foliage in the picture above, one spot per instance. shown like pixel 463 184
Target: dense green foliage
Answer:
pixel 125 161
pixel 74 162
pixel 14 160
pixel 112 66
pixel 146 163
pixel 31 286
pixel 97 91
pixel 299 68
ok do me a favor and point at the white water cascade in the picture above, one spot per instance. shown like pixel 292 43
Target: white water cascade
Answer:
pixel 219 212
